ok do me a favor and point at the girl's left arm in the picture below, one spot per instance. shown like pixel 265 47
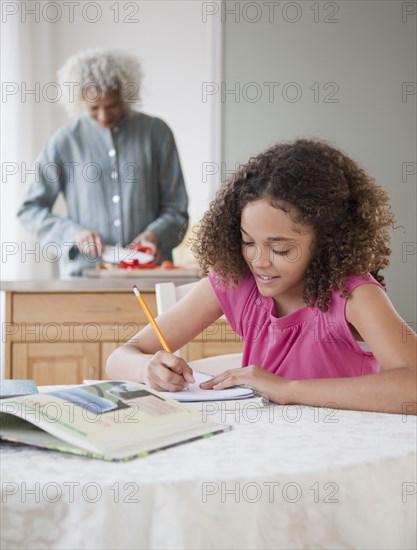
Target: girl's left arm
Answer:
pixel 394 344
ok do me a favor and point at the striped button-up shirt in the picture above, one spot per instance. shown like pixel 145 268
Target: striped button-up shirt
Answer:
pixel 117 182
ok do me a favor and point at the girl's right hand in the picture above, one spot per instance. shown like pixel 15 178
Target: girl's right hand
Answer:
pixel 167 372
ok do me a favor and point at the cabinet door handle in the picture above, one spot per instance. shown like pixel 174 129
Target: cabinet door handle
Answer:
pixel 98 309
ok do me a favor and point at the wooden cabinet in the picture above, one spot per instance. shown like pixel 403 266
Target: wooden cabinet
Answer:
pixel 53 363
pixel 65 337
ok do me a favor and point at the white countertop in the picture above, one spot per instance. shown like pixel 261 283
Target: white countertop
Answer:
pixel 146 282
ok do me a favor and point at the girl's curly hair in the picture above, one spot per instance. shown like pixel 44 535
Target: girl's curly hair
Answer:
pixel 103 69
pixel 319 187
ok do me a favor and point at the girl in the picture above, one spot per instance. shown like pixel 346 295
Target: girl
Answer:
pixel 293 246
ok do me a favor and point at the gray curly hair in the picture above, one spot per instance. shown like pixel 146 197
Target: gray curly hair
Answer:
pixel 104 70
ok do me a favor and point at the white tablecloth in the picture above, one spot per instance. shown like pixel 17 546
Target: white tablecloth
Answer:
pixel 284 477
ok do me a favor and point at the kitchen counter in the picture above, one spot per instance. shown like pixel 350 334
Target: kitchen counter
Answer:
pixel 145 282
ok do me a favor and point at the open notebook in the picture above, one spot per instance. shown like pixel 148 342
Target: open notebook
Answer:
pixel 195 393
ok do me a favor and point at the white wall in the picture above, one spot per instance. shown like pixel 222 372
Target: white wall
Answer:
pixel 369 54
pixel 26 123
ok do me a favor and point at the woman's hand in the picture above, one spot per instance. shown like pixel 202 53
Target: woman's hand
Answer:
pixel 167 372
pixel 89 243
pixel 150 240
pixel 257 378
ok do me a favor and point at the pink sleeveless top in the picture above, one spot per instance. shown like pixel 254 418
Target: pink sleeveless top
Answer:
pixel 305 344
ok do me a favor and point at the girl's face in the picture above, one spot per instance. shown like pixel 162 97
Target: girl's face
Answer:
pixel 277 250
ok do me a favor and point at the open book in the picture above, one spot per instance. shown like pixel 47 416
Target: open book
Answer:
pixel 112 420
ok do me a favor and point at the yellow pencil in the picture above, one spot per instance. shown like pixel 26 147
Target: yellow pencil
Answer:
pixel 151 319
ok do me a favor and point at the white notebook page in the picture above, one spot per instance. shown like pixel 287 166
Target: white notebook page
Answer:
pixel 195 393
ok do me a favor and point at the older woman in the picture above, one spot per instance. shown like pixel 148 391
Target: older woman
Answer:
pixel 118 169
